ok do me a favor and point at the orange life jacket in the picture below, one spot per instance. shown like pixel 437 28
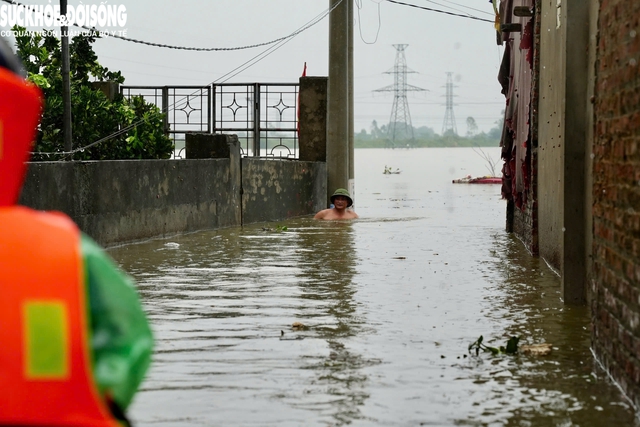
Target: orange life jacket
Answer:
pixel 45 364
pixel 20 104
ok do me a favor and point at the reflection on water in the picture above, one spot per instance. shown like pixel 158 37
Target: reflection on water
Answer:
pixel 222 304
pixel 390 303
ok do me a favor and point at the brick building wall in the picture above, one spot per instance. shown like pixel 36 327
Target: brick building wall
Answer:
pixel 525 220
pixel 615 283
pixel 519 143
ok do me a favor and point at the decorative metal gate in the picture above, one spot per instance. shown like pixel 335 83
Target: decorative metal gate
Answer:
pixel 263 115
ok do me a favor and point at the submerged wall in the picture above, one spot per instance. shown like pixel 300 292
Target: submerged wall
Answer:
pixel 551 116
pixel 273 190
pixel 124 201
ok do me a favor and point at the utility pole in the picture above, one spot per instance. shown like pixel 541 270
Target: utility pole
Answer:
pixel 66 83
pixel 351 186
pixel 338 111
pixel 449 123
pixel 400 127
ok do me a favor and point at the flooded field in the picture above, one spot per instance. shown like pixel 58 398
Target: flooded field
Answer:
pixel 389 304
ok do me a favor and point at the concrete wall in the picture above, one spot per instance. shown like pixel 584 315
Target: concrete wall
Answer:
pixel 550 151
pixel 275 190
pixel 575 16
pixel 615 285
pixel 124 201
pixel 563 148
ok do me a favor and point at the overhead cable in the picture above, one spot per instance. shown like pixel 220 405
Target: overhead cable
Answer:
pixel 466 7
pixel 441 11
pixel 198 49
pixel 359 6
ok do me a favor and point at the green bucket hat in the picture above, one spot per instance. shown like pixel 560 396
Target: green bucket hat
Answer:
pixel 342 192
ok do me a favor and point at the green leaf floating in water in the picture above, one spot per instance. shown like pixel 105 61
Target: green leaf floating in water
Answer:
pixel 512 345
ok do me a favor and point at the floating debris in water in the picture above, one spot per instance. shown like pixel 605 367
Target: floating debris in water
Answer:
pixel 478 180
pixel 536 349
pixel 283 338
pixel 510 348
pixel 297 325
pixel 388 170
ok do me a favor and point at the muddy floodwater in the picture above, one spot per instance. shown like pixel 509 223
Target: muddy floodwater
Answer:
pixel 389 302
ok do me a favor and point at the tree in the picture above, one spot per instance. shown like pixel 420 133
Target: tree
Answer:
pixel 472 127
pixel 496 131
pixel 375 131
pixel 138 124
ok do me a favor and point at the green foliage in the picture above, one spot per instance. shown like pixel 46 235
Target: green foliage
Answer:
pixel 94 116
pixel 510 348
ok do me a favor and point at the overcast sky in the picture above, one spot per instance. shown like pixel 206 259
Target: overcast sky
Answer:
pixel 437 43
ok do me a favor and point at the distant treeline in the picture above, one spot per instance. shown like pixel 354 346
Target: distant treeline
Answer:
pixel 424 137
pixel 481 140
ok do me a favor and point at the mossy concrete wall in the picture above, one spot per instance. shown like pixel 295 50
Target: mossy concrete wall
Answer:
pixel 118 202
pixel 123 201
pixel 273 190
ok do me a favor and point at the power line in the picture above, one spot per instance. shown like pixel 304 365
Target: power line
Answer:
pixel 439 11
pixel 359 6
pixel 448 7
pixel 466 7
pixel 199 49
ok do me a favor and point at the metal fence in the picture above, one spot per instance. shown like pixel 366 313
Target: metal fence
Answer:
pixel 263 115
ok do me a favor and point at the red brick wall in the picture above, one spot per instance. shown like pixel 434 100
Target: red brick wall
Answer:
pixel 615 283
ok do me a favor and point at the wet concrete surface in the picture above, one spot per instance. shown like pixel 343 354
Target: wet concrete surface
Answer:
pixel 389 304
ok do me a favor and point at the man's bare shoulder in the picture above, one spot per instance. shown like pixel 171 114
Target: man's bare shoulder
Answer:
pixel 323 214
pixel 332 214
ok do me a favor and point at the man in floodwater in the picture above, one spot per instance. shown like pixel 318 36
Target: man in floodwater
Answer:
pixel 341 203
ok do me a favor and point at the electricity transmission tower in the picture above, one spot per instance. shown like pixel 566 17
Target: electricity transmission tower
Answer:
pixel 400 127
pixel 449 124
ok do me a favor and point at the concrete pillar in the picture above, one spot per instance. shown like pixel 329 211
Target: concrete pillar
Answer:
pixel 338 98
pixel 574 263
pixel 220 146
pixel 352 177
pixel 209 146
pixel 312 136
pixel 235 177
pixel 594 6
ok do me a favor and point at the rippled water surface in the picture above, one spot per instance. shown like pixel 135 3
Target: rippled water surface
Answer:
pixel 389 304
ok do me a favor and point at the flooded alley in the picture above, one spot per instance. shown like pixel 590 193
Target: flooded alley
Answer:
pixel 388 305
